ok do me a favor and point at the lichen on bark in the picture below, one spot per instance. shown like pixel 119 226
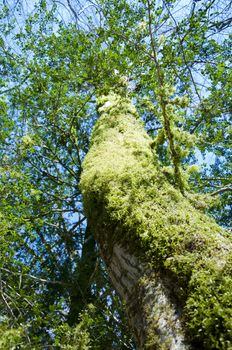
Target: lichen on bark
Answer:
pixel 123 184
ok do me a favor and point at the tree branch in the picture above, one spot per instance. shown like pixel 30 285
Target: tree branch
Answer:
pixel 222 190
pixel 43 280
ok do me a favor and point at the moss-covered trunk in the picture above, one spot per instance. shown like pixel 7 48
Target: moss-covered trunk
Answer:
pixel 169 261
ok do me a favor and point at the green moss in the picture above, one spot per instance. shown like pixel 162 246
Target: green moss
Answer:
pixel 122 176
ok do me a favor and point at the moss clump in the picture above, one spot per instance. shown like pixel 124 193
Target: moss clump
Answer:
pixel 122 176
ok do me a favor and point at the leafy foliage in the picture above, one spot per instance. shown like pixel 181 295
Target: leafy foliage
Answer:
pixel 52 69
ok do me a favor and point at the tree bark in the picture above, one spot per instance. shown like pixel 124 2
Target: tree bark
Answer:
pixel 167 260
pixel 80 292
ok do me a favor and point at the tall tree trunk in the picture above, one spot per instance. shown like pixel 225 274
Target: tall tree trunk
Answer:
pixel 80 293
pixel 168 260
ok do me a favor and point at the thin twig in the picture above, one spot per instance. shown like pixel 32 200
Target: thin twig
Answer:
pixel 35 278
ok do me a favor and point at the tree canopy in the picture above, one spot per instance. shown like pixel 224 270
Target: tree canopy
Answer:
pixel 56 58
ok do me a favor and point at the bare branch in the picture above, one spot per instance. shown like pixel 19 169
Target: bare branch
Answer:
pixel 222 190
pixel 43 280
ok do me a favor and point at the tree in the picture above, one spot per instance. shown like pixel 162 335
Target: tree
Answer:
pixel 52 70
pixel 169 261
